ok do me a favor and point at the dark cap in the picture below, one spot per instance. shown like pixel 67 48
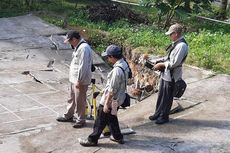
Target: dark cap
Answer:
pixel 72 34
pixel 112 50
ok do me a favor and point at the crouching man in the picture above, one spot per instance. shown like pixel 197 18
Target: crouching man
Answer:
pixel 113 96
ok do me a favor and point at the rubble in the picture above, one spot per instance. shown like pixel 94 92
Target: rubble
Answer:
pixel 111 12
pixel 145 80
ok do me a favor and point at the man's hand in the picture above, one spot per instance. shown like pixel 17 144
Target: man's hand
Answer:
pixel 159 66
pixel 77 85
pixel 105 109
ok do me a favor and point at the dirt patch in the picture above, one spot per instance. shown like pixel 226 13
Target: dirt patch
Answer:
pixel 144 81
pixel 110 13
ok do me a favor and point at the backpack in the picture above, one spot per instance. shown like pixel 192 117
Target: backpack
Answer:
pixel 130 74
pixel 126 102
pixel 179 88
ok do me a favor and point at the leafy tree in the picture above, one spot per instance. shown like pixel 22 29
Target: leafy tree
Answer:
pixel 170 8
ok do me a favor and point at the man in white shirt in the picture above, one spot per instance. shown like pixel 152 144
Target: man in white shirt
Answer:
pixel 80 77
pixel 171 71
pixel 113 96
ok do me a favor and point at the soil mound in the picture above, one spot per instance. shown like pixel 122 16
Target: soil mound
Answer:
pixel 111 12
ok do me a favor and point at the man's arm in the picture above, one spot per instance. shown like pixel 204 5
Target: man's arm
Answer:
pixel 83 64
pixel 108 102
pixel 181 51
pixel 113 88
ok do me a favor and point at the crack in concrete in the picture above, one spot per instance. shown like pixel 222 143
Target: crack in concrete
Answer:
pixel 42 127
pixel 208 77
pixel 30 74
pixel 97 150
pixel 179 108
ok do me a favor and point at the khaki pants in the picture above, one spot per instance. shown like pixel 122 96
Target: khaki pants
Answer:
pixel 77 103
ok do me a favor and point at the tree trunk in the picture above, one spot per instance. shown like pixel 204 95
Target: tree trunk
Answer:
pixel 223 10
pixel 187 5
pixel 168 18
pixel 228 5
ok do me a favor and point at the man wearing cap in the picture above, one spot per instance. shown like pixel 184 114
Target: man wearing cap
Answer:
pixel 113 96
pixel 80 77
pixel 171 71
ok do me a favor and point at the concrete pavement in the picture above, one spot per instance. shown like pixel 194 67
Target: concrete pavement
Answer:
pixel 32 95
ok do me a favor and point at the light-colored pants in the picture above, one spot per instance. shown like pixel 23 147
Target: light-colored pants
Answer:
pixel 77 101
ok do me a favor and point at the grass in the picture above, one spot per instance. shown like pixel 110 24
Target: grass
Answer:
pixel 210 50
pixel 208 42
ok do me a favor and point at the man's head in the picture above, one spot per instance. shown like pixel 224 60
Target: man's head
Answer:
pixel 73 37
pixel 113 53
pixel 174 32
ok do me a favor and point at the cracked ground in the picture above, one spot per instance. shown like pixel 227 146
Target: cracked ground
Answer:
pixel 34 88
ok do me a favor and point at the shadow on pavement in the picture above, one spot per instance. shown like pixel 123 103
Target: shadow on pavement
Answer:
pixel 182 126
pixel 219 124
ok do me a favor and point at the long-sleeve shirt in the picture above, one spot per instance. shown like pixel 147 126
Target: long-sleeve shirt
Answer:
pixel 116 82
pixel 80 67
pixel 173 64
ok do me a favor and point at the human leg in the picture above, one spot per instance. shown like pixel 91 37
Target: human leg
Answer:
pixel 159 102
pixel 166 102
pixel 80 99
pixel 115 129
pixel 99 125
pixel 68 116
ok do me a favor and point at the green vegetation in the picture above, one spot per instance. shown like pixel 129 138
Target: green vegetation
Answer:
pixel 210 50
pixel 131 1
pixel 208 41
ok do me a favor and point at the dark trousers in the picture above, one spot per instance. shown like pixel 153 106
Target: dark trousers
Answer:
pixel 101 121
pixel 165 99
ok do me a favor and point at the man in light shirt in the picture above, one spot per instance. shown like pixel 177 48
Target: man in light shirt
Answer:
pixel 171 71
pixel 80 77
pixel 113 96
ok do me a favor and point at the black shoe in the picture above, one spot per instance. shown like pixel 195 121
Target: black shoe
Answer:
pixel 63 119
pixel 120 141
pixel 153 117
pixel 87 143
pixel 162 120
pixel 79 125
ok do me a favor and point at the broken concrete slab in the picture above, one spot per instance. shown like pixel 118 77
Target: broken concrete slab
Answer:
pixel 9 142
pixel 33 87
pixel 21 66
pixel 22 126
pixel 11 78
pixel 32 42
pixel 6 117
pixel 62 85
pixel 214 85
pixel 19 103
pixel 51 99
pixel 27 25
pixel 33 113
pixel 193 74
pixel 32 127
pixel 7 91
pixel 2 110
pixel 58 42
pixel 49 76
